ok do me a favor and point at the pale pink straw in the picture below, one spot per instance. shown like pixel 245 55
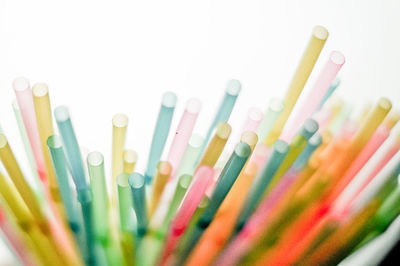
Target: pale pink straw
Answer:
pixel 253 119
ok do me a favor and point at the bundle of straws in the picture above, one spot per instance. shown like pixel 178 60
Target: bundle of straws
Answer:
pixel 309 190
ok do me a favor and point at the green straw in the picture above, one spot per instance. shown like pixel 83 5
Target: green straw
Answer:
pixel 192 151
pixel 279 150
pixel 160 133
pixel 228 176
pixel 137 184
pixel 272 113
pixel 296 146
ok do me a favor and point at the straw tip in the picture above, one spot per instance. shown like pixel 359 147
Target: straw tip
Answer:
pixel 233 87
pixel 310 127
pixel 136 180
pixel 316 140
pixel 255 114
pixel 20 84
pixel 164 168
pixel 40 89
pixel 223 130
pixel 337 58
pixel 193 106
pixel 196 141
pixel 281 146
pixel 61 113
pixel 122 180
pixel 385 103
pixel 320 32
pixel 276 105
pixel 242 149
pixel 184 180
pixel 130 156
pixel 54 141
pixel 120 120
pixel 95 158
pixel 169 99
pixel 3 141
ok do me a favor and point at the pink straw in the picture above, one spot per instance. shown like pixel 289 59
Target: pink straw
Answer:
pixel 315 95
pixel 253 119
pixel 201 181
pixel 23 92
pixel 15 241
pixel 182 134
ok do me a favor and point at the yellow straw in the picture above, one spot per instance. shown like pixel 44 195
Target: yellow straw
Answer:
pixel 161 177
pixel 250 138
pixel 130 158
pixel 120 123
pixel 217 144
pixel 306 65
pixel 41 102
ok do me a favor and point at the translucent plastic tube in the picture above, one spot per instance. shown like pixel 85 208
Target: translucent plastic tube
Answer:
pixel 59 163
pixel 182 134
pixel 232 91
pixel 137 184
pixel 201 181
pixel 95 163
pixel 313 143
pixel 120 124
pixel 279 151
pixel 303 71
pixel 216 145
pixel 41 103
pixel 315 95
pixel 129 158
pixel 25 141
pixel 272 113
pixel 253 119
pixel 25 102
pixel 160 180
pixel 228 176
pixel 160 134
pixel 335 83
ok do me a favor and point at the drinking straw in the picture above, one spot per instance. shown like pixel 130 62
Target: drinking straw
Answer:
pixel 313 143
pixel 297 145
pixel 25 102
pixel 25 141
pixel 95 163
pixel 42 107
pixel 274 109
pixel 120 124
pixel 24 189
pixel 202 179
pixel 251 139
pixel 160 134
pixel 137 185
pixel 15 242
pixel 253 119
pixel 161 177
pixel 216 145
pixel 84 193
pixel 228 176
pixel 182 134
pixel 315 94
pixel 279 150
pixel 125 217
pixel 129 158
pixel 54 144
pixel 232 91
pixel 336 124
pixel 186 167
pixel 222 225
pixel 334 85
pixel 306 65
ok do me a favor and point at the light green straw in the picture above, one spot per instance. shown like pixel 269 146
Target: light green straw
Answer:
pixel 272 113
pixel 192 151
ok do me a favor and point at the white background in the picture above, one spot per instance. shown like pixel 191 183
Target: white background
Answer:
pixel 105 57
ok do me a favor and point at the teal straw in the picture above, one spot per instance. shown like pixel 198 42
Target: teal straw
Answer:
pixel 228 176
pixel 279 150
pixel 137 184
pixel 328 93
pixel 84 192
pixel 95 162
pixel 312 144
pixel 160 133
pixel 232 91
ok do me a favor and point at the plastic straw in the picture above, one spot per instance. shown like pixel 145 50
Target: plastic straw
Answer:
pixel 272 113
pixel 315 95
pixel 137 184
pixel 161 177
pixel 129 158
pixel 160 134
pixel 232 91
pixel 25 102
pixel 306 65
pixel 328 93
pixel 182 134
pixel 253 119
